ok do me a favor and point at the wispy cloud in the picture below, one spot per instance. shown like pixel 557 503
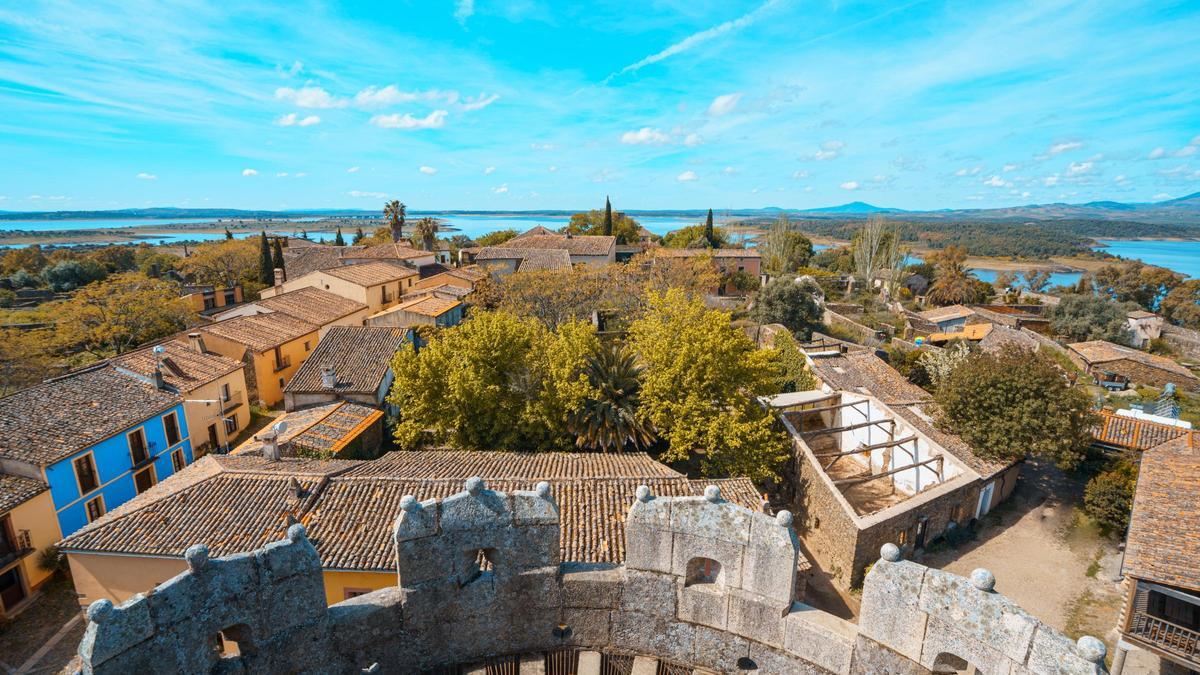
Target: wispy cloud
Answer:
pixel 310 97
pixel 249 172
pixel 699 38
pixel 500 189
pixel 353 169
pixel 479 102
pixel 645 136
pixel 692 140
pixel 147 176
pixel 292 119
pixel 851 185
pixel 488 171
pixel 687 177
pixel 428 170
pixel 463 10
pixel 361 194
pixel 828 150
pixel 434 120
pixel 724 104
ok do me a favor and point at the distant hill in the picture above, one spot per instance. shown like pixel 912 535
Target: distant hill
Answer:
pixel 854 207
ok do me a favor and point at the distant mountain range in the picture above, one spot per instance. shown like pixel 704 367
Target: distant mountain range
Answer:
pixel 1180 211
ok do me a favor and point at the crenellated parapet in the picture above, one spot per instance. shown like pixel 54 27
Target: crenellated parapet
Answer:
pixel 707 585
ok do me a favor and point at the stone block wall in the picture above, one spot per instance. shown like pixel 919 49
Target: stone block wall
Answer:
pixel 707 585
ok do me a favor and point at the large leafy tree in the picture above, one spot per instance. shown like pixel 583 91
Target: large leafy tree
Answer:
pixel 28 258
pixel 1015 403
pixel 225 263
pixel 624 228
pixel 1090 317
pixel 783 249
pixel 696 236
pixel 607 420
pixel 1182 304
pixel 395 212
pixel 496 238
pixel 1136 282
pixel 790 301
pixel 699 386
pixel 122 312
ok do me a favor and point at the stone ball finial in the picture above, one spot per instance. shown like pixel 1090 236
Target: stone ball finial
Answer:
pixel 542 489
pixel 196 557
pixel 1091 649
pixel 99 611
pixel 890 552
pixel 784 518
pixel 983 580
pixel 712 493
pixel 296 532
pixel 475 485
pixel 409 503
pixel 643 493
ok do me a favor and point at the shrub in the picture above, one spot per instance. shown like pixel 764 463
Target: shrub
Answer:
pixel 1108 497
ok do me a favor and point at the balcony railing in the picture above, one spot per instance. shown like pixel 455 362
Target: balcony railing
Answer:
pixel 1169 637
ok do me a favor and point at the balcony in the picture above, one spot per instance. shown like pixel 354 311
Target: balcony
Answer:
pixel 1170 638
pixel 12 551
pixel 1166 620
pixel 235 398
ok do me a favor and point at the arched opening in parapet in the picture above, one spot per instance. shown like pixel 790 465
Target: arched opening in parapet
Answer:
pixel 232 641
pixel 950 664
pixel 477 563
pixel 702 571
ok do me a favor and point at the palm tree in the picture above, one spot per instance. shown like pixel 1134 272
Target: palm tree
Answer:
pixel 424 232
pixel 608 421
pixel 954 283
pixel 394 211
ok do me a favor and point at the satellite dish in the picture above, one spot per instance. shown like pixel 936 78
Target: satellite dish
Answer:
pixel 279 427
pixel 159 349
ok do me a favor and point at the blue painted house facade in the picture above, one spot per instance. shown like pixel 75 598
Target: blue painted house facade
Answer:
pixel 97 438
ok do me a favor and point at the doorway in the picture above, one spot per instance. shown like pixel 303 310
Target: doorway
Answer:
pixel 12 589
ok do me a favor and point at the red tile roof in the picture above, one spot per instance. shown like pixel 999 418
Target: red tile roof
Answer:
pixel 1163 544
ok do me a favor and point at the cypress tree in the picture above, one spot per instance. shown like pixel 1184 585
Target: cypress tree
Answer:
pixel 608 225
pixel 228 234
pixel 358 235
pixel 338 240
pixel 266 271
pixel 708 231
pixel 277 256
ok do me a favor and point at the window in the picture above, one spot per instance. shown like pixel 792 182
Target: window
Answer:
pixel 95 508
pixel 702 571
pixel 85 474
pixel 231 424
pixel 282 384
pixel 137 446
pixel 307 347
pixel 177 460
pixel 225 394
pixel 354 592
pixel 171 424
pixel 144 479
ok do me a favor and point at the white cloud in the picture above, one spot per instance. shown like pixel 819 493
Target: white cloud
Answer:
pixel 428 170
pixel 542 146
pixel 300 175
pixel 434 120
pixel 645 136
pixel 829 150
pixel 480 102
pixel 1059 148
pixel 295 69
pixel 501 189
pixel 724 104
pixel 310 97
pixel 49 198
pixel 292 119
pixel 882 178
pixel 850 185
pixel 1186 151
pixel 1051 180
pixel 147 176
pixel 281 174
pixel 489 170
pixel 1011 167
pixel 353 169
pixel 1025 194
pixel 370 195
pixel 552 168
pixel 1160 196
pixel 249 172
pixel 997 181
pixel 1079 168
pixel 800 175
pixel 729 171
pixel 699 38
pixel 463 10
pixel 692 140
pixel 972 171
pixel 1157 153
pixel 687 177
pixel 1121 179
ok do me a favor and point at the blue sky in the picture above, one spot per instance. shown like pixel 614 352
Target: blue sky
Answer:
pixel 532 104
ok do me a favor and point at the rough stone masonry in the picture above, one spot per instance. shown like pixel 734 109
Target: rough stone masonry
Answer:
pixel 707 585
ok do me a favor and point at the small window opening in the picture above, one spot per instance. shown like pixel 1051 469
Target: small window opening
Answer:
pixel 947 664
pixel 233 641
pixel 477 563
pixel 702 571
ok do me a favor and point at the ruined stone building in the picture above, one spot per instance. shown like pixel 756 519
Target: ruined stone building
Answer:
pixel 481 586
pixel 870 467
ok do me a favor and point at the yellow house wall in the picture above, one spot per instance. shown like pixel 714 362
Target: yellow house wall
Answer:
pixel 200 416
pixel 269 390
pixel 118 577
pixel 336 583
pixel 37 516
pixel 358 318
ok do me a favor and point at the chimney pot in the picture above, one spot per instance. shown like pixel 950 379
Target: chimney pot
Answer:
pixel 197 342
pixel 328 378
pixel 280 276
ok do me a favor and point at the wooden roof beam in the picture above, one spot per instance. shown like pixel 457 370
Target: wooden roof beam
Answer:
pixel 865 479
pixel 851 427
pixel 828 407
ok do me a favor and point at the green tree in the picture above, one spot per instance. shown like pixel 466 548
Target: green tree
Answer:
pixel 424 233
pixel 694 236
pixel 789 301
pixel 608 219
pixel 1036 280
pixel 1108 496
pixel 338 240
pixel 358 236
pixel 1015 403
pixel 783 249
pixel 67 275
pixel 1136 281
pixel 277 255
pixel 607 419
pixel 228 234
pixel 1182 305
pixel 954 284
pixel 699 386
pixel 122 312
pixel 225 263
pixel 395 212
pixel 596 222
pixel 28 258
pixel 794 374
pixel 266 271
pixel 496 238
pixel 1090 317
pixel 709 233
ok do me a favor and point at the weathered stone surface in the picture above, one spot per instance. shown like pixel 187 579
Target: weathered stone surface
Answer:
pixel 287 605
pixel 589 663
pixel 705 604
pixel 366 619
pixel 889 613
pixel 589 627
pixel 770 660
pixel 701 518
pixel 128 624
pixel 648 535
pixel 647 634
pixel 688 547
pixel 872 658
pixel 820 637
pixel 417 521
pixel 533 589
pixel 1053 652
pixel 484 510
pixel 976 615
pixel 649 593
pixel 528 508
pixel 719 650
pixel 643 665
pixel 277 561
pixel 769 563
pixel 590 585
pixel 752 618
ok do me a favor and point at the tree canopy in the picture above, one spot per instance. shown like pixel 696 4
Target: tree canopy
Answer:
pixel 624 228
pixel 783 249
pixel 695 236
pixel 789 301
pixel 225 263
pixel 1137 282
pixel 1182 305
pixel 496 238
pixel 1090 317
pixel 122 312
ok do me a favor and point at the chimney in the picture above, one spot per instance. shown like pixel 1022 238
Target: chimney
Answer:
pixel 270 447
pixel 159 381
pixel 328 378
pixel 196 342
pixel 280 276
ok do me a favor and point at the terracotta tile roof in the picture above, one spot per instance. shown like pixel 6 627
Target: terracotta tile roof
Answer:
pixel 1131 433
pixel 535 230
pixel 1163 544
pixel 349 515
pixel 359 355
pixel 714 252
pixel 372 273
pixel 16 490
pixel 530 259
pixel 975 331
pixel 946 313
pixel 532 466
pixel 301 261
pixel 261 332
pixel 573 244
pixel 324 428
pixel 426 305
pixel 50 421
pixel 182 367
pixel 999 336
pixel 391 251
pixel 313 305
pixel 1098 351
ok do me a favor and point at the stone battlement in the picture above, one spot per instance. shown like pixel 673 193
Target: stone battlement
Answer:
pixel 707 585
